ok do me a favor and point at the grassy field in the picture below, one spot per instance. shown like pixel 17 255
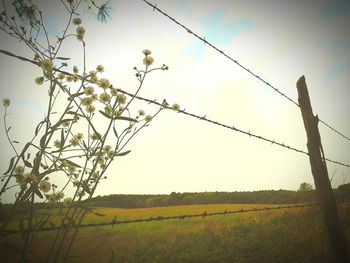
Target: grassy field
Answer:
pixel 285 235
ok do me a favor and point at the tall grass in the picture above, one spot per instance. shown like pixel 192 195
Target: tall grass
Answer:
pixel 293 235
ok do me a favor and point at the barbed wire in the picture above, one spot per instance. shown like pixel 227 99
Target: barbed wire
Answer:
pixel 237 63
pixel 248 133
pixel 159 218
pixel 204 118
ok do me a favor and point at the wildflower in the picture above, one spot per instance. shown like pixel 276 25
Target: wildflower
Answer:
pixel 148 61
pixel 100 160
pixel 39 80
pixel 80 33
pixel 110 153
pixel 76 21
pixel 31 177
pixel 114 92
pixel 75 69
pixel 45 186
pixel 175 106
pixel 107 148
pixel 94 96
pixel 69 78
pixel 46 64
pixel 57 143
pixel 142 112
pixel 108 109
pixel 66 124
pixel 89 90
pixel 95 175
pixel 64 163
pixel 92 74
pixel 94 79
pixel 104 83
pixel 67 201
pixel 19 170
pixel 71 169
pixel 80 135
pixel 59 195
pixel 6 102
pixel 104 97
pixel 95 136
pixel 100 68
pixel 90 108
pixel 121 98
pixel 75 78
pixel 51 198
pixel 86 101
pixel 19 179
pixel 146 52
pixel 61 76
pixel 148 118
pixel 74 141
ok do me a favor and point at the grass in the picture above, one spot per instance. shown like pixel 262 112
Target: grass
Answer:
pixel 286 235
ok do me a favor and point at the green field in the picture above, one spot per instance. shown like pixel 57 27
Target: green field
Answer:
pixel 285 235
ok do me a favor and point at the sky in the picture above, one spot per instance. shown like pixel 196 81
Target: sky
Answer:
pixel 277 40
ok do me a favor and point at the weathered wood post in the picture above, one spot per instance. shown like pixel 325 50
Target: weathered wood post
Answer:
pixel 320 175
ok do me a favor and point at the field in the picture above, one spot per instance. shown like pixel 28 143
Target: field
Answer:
pixel 284 235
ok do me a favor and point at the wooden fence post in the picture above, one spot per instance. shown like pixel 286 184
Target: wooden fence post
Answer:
pixel 320 175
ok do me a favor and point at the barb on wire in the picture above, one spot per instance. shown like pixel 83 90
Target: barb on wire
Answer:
pixel 191 114
pixel 237 63
pixel 162 218
pixel 248 133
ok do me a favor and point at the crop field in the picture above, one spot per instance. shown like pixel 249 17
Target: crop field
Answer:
pixel 284 235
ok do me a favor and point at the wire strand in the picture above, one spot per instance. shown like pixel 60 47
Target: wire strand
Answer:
pixel 237 63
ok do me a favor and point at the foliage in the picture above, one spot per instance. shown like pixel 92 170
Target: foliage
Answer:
pixel 88 124
pixel 296 235
pixel 305 187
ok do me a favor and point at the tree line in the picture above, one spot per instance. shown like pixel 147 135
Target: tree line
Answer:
pixel 342 194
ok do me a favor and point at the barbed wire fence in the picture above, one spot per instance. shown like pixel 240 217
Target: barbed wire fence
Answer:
pixel 159 218
pixel 196 116
pixel 202 39
pixel 201 118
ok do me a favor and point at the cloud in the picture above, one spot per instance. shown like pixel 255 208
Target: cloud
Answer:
pixel 335 8
pixel 335 71
pixel 218 30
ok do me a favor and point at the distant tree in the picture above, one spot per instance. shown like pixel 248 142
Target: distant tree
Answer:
pixel 305 187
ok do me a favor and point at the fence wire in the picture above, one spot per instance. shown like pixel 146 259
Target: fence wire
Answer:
pixel 238 63
pixel 204 118
pixel 159 218
pixel 248 133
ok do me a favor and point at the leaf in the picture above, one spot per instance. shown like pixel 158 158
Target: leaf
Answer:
pixel 115 132
pixel 62 140
pixel 123 153
pixel 105 114
pixel 11 165
pixel 71 163
pixel 39 127
pixel 125 119
pixel 28 164
pixel 38 193
pixel 61 122
pixel 9 128
pixel 42 141
pixel 15 141
pixel 118 117
pixel 62 58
